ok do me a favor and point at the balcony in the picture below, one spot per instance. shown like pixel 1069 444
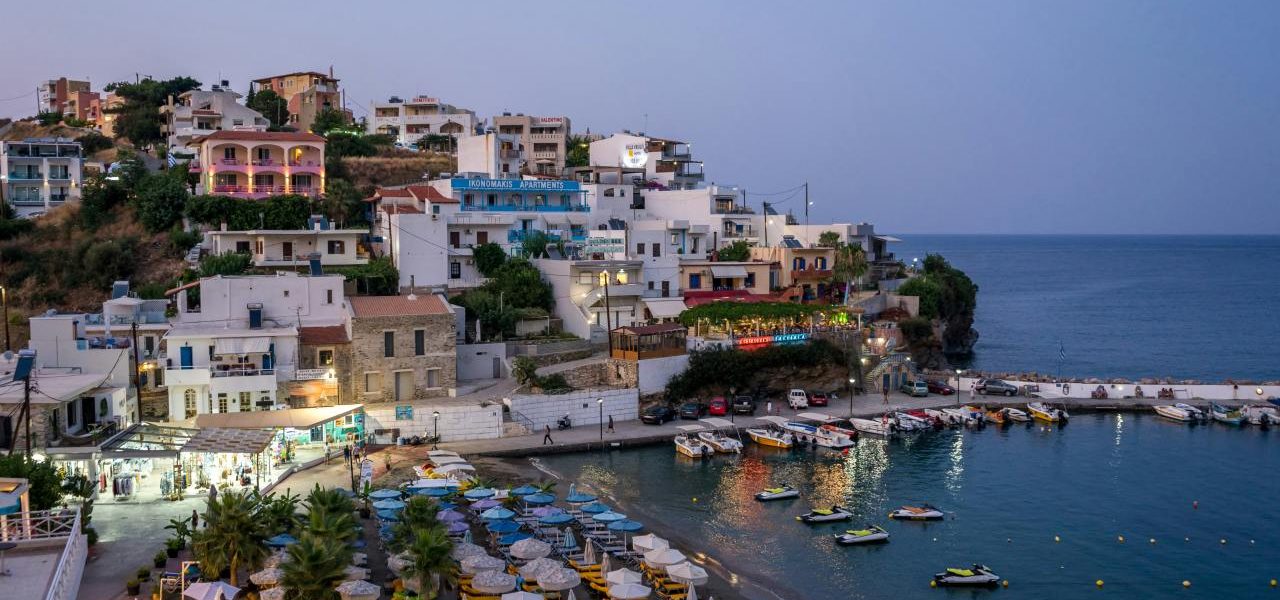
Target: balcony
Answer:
pixel 462 283
pixel 231 189
pixel 675 152
pixel 691 170
pixel 268 166
pixel 810 274
pixel 739 233
pixel 27 200
pixel 306 166
pixel 26 176
pixel 228 165
pixel 551 155
pixel 187 376
pixel 546 137
pixel 59 198
pixel 509 154
pixel 60 176
pixel 237 371
pixel 528 208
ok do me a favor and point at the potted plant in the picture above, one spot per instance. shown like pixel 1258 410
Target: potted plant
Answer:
pixel 133 586
pixel 364 500
pixel 160 559
pixel 172 546
pixel 143 573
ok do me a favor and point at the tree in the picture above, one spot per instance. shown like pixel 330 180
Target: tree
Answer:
pixel 130 169
pixel 138 117
pixel 520 285
pixel 98 198
pixel 829 239
pixel 328 120
pixel 271 106
pixel 929 293
pixel 535 244
pixel 577 151
pixel 313 567
pixel 419 515
pixel 342 202
pixel 738 251
pixel 105 261
pixel 429 559
pixel 48 118
pixel 44 483
pixel 233 537
pixel 524 370
pixel 160 200
pixel 489 258
pixel 94 142
pixel 849 266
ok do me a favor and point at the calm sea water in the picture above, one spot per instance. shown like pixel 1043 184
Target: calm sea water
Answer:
pixel 1194 307
pixel 1007 492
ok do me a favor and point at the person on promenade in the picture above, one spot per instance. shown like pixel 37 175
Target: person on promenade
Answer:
pixel 546 437
pixel 610 423
pixel 973 389
pixel 768 407
pixel 195 519
pixel 346 453
pixel 885 390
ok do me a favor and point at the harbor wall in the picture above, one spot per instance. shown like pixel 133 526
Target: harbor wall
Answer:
pixel 1119 391
pixel 457 422
pixel 540 410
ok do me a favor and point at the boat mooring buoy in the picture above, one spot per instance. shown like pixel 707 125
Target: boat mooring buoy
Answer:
pixel 933 583
pixel 1186 583
pixel 1153 540
pixel 1195 504
pixel 1120 538
pixel 1098 583
pixel 1057 539
pixel 1005 583
pixel 1273 583
pixel 1222 541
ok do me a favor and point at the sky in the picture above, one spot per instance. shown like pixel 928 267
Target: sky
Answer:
pixel 1081 116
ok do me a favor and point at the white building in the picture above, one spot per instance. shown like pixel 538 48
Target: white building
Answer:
pixel 545 140
pixel 419 117
pixel 236 351
pixel 491 155
pixel 292 247
pixel 586 308
pixel 63 345
pixel 40 173
pixel 199 113
pixel 666 163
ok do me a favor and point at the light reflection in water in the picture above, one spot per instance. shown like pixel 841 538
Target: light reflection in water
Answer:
pixel 955 474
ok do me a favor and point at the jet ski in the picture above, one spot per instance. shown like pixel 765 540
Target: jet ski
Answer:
pixel 871 535
pixel 975 575
pixel 778 493
pixel 924 512
pixel 825 515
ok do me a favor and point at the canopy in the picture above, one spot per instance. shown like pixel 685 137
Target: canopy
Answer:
pixel 211 590
pixel 576 497
pixel 503 526
pixel 296 418
pixel 622 577
pixel 267 577
pixel 354 573
pixel 281 540
pixel 221 440
pixel 717 422
pixel 524 490
pixel 594 508
pixel 688 573
pixel 388 515
pixel 532 569
pixel 539 498
pixel 483 562
pixel 558 580
pixel 816 416
pixel 629 591
pixel 664 557
pixel 497 513
pixel 478 494
pixel 544 511
pixel 388 504
pixel 648 542
pixel 493 582
pixel 433 483
pixel 690 428
pixel 728 271
pixel 434 453
pixel 609 517
pixel 485 504
pixel 556 519
pixel 626 525
pixel 447 460
pixel 241 345
pixel 776 420
pixel 358 590
pixel 449 516
pixel 384 494
pixel 665 308
pixel 530 548
pixel 449 468
pixel 435 492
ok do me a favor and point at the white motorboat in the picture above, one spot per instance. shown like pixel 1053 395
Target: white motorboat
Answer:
pixel 975 575
pixel 1261 415
pixel 1016 415
pixel 836 430
pixel 924 512
pixel 1226 414
pixel 826 515
pixel 778 493
pixel 805 433
pixel 943 416
pixel 1044 412
pixel 962 416
pixel 880 427
pixel 844 437
pixel 1180 412
pixel 720 442
pixel 871 535
pixel 692 447
pixel 908 422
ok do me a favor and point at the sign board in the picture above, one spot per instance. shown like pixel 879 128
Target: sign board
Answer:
pixel 548 121
pixel 310 374
pixel 404 413
pixel 605 244
pixel 765 340
pixel 425 100
pixel 634 156
pixel 516 185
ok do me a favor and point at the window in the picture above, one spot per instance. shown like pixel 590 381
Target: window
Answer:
pixel 435 209
pixel 650 285
pixel 455 239
pixel 189 403
pixel 328 296
pixel 300 181
pixel 388 344
pixel 666 288
pixel 695 281
pixel 419 342
pixel 337 247
pixel 467 199
pixel 221 179
pixel 482 237
pixel 657 250
pixel 286 251
pixel 257 247
pixel 455 270
pixel 264 154
pixel 639 249
pixel 229 153
pixel 324 357
pixel 372 382
pixel 433 378
pixel 242 247
pixel 491 199
pixel 586 279
pixel 246 401
pixel 222 402
pixel 750 281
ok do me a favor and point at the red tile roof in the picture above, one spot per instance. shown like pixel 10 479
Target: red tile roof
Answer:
pixel 430 194
pixel 265 136
pixel 395 306
pixel 380 193
pixel 400 209
pixel 329 334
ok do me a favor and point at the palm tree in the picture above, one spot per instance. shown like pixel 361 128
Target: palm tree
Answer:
pixel 546 487
pixel 314 565
pixel 325 500
pixel 429 559
pixel 233 536
pixel 339 527
pixel 850 265
pixel 419 514
pixel 279 512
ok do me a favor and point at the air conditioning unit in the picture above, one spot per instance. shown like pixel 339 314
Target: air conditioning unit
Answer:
pixel 471 261
pixel 435 217
pixel 467 231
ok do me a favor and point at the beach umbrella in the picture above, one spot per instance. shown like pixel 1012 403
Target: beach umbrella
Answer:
pixel 648 542
pixel 446 506
pixel 359 559
pixel 275 593
pixel 524 490
pixel 267 577
pixel 434 453
pixel 521 595
pixel 384 494
pixel 530 548
pixel 626 525
pixel 211 590
pixel 482 562
pixel 435 492
pixel 497 513
pixel 449 468
pixel 594 508
pixel 570 596
pixel 478 494
pixel 433 483
pixel 388 515
pixel 503 526
pixel 663 557
pixel 622 577
pixel 559 519
pixel 629 591
pixel 688 573
pixel 447 460
pixel 559 580
pixel 358 590
pixel 275 558
pixel 449 516
pixel 570 542
pixel 485 504
pixel 692 595
pixel 456 528
pixel 281 540
pixel 466 536
pixel 512 538
pixel 543 511
pixel 354 573
pixel 388 504
pixel 589 554
pixel 609 517
pixel 539 498
pixel 465 550
pixel 576 497
pixel 532 569
pixel 493 582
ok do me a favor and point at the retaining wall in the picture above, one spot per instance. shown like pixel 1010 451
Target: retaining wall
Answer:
pixel 457 421
pixel 541 410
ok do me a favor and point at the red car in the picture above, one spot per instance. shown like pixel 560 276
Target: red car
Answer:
pixel 937 387
pixel 817 399
pixel 718 407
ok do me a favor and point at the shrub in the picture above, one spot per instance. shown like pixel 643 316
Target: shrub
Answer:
pixel 489 257
pixel 230 263
pixel 722 369
pixel 181 241
pixel 93 142
pixel 554 383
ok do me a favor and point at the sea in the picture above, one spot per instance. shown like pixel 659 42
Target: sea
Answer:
pixel 1133 306
pixel 1135 501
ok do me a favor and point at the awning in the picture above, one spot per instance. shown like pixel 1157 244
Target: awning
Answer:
pixel 229 441
pixel 241 345
pixel 665 308
pixel 729 272
pixel 297 418
pixel 887 238
pixel 577 218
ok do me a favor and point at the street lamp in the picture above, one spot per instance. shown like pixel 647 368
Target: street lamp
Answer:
pixel 435 425
pixel 958 373
pixel 600 403
pixel 608 319
pixel 4 297
pixel 851 382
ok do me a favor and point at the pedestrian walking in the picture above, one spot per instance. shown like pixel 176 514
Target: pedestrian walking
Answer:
pixel 546 437
pixel 610 423
pixel 885 391
pixel 195 519
pixel 346 453
pixel 973 389
pixel 768 407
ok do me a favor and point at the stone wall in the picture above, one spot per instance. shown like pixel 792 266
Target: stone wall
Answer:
pixel 343 362
pixel 368 356
pixel 539 410
pixel 457 421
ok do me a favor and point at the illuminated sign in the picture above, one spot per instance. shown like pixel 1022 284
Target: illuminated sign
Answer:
pixel 516 185
pixel 425 100
pixel 634 156
pixel 549 121
pixel 765 340
pixel 605 244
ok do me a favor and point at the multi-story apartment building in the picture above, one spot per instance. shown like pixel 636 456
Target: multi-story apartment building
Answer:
pixel 238 349
pixel 593 297
pixel 404 347
pixel 419 117
pixel 106 122
pixel 666 164
pixel 306 93
pixel 492 155
pixel 62 342
pixel 544 138
pixel 256 164
pixel 293 247
pixel 805 269
pixel 56 95
pixel 40 173
pixel 199 113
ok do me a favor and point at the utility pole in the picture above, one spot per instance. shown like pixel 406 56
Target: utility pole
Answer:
pixel 766 223
pixel 608 318
pixel 806 213
pixel 137 364
pixel 4 298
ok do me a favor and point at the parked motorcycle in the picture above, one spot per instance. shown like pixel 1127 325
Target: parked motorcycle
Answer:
pixel 564 423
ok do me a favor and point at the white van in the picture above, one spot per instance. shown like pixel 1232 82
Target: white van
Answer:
pixel 798 399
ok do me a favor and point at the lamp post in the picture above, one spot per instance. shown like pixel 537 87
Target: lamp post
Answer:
pixel 851 382
pixel 600 403
pixel 4 297
pixel 435 427
pixel 608 319
pixel 958 373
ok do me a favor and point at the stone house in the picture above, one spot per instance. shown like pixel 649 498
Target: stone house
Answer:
pixel 324 372
pixel 403 347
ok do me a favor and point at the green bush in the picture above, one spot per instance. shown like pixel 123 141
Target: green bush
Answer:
pixel 104 262
pixel 230 263
pixel 554 383
pixel 181 241
pixel 94 142
pixel 720 369
pixel 489 258
pixel 240 214
pixel 718 312
pixel 738 251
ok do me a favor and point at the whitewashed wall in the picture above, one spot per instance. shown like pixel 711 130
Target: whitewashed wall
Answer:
pixel 475 361
pixel 542 410
pixel 656 372
pixel 457 421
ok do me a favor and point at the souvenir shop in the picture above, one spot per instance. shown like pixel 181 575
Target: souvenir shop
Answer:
pixel 231 458
pixel 299 434
pixel 142 464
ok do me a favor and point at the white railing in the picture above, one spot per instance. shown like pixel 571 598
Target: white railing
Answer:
pixel 66 576
pixel 45 528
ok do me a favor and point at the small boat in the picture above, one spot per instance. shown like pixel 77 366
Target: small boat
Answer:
pixel 881 427
pixel 1043 412
pixel 805 433
pixel 909 422
pixel 778 493
pixel 692 447
pixel 836 430
pixel 1226 414
pixel 826 515
pixel 963 416
pixel 924 512
pixel 1261 415
pixel 769 436
pixel 934 420
pixel 1016 415
pixel 996 416
pixel 871 535
pixel 1180 412
pixel 720 442
pixel 947 419
pixel 975 575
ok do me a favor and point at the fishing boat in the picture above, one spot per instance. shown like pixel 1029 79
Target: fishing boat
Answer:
pixel 689 445
pixel 873 534
pixel 908 422
pixel 1226 414
pixel 1261 415
pixel 1180 412
pixel 1016 415
pixel 963 416
pixel 778 493
pixel 1043 412
pixel 805 433
pixel 996 416
pixel 720 442
pixel 946 418
pixel 924 512
pixel 770 436
pixel 880 427
pixel 975 575
pixel 925 415
pixel 826 515
pixel 836 430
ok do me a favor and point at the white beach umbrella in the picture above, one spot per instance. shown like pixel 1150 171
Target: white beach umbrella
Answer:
pixel 267 577
pixel 354 573
pixel 358 590
pixel 447 460
pixel 465 550
pixel 531 570
pixel 559 580
pixel 622 576
pixel 605 565
pixel 522 595
pixel 648 543
pixel 211 590
pixel 530 548
pixel 275 559
pixel 481 563
pixel 398 563
pixel 629 591
pixel 589 554
pixel 275 593
pixel 664 557
pixel 431 483
pixel 688 573
pixel 494 582
pixel 359 559
pixel 693 594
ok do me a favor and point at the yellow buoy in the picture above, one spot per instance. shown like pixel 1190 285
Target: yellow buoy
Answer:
pixel 933 583
pixel 695 499
pixel 1273 583
pixel 1186 583
pixel 1005 583
pixel 1098 583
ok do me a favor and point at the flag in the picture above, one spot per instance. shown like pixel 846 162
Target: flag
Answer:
pixel 1062 351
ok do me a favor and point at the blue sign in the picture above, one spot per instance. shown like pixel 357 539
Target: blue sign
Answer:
pixel 404 413
pixel 515 185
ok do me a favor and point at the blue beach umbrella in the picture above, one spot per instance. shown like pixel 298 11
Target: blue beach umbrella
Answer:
pixel 576 497
pixel 626 525
pixel 388 515
pixel 557 519
pixel 446 506
pixel 384 494
pixel 570 542
pixel 478 494
pixel 466 536
pixel 594 508
pixel 457 527
pixel 543 511
pixel 281 540
pixel 512 538
pixel 485 504
pixel 449 516
pixel 524 490
pixel 536 499
pixel 609 517
pixel 388 505
pixel 433 492
pixel 497 513
pixel 503 526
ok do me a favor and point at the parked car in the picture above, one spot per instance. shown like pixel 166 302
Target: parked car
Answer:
pixel 657 415
pixel 718 407
pixel 692 410
pixel 744 405
pixel 797 399
pixel 996 387
pixel 818 399
pixel 917 388
pixel 940 388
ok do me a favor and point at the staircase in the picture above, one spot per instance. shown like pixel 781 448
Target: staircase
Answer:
pixel 887 362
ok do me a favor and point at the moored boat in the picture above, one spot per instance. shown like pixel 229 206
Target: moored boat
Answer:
pixel 933 419
pixel 976 575
pixel 1226 414
pixel 1180 412
pixel 720 442
pixel 909 422
pixel 836 430
pixel 805 433
pixel 826 515
pixel 1016 415
pixel 692 447
pixel 1261 415
pixel 924 512
pixel 946 418
pixel 963 416
pixel 770 436
pixel 871 535
pixel 996 416
pixel 880 427
pixel 1044 412
pixel 778 493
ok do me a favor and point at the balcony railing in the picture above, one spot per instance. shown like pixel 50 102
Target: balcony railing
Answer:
pixel 46 529
pixel 27 201
pixel 229 161
pixel 231 189
pixel 27 176
pixel 509 154
pixel 59 197
pixel 232 371
pixel 528 208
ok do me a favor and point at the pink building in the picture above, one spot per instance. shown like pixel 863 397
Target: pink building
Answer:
pixel 256 164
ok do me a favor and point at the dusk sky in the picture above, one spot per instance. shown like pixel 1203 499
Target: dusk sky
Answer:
pixel 1074 116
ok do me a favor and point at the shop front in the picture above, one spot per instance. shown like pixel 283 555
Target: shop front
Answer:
pixel 299 435
pixel 140 464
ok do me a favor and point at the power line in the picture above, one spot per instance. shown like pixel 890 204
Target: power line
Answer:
pixel 28 94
